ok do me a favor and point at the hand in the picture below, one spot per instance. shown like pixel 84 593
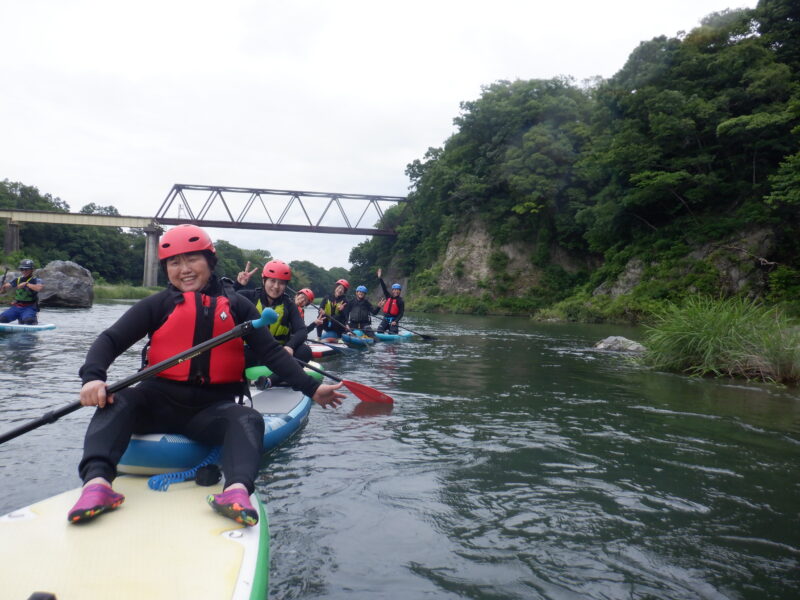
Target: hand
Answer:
pixel 341 305
pixel 289 350
pixel 244 276
pixel 380 272
pixel 93 393
pixel 382 302
pixel 319 321
pixel 23 284
pixel 326 395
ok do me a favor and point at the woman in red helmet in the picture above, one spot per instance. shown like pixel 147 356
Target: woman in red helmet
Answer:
pixel 302 299
pixel 290 328
pixel 195 398
pixel 334 310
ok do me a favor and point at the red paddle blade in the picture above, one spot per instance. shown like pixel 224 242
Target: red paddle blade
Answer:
pixel 366 393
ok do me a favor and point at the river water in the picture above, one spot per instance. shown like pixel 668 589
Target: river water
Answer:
pixel 516 463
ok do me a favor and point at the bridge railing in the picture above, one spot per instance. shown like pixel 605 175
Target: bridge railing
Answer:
pixel 264 208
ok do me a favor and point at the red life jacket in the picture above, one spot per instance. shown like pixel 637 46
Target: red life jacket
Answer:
pixel 390 307
pixel 197 319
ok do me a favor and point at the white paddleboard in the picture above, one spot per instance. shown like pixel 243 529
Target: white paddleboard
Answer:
pixel 168 545
pixel 13 327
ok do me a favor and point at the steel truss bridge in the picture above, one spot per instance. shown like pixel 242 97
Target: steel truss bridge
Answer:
pixel 228 207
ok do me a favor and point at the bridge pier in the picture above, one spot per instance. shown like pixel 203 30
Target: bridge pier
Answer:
pixel 150 277
pixel 11 241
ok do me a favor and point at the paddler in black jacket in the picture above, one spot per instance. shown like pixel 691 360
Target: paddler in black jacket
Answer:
pixel 392 306
pixel 290 328
pixel 195 398
pixel 334 310
pixel 361 311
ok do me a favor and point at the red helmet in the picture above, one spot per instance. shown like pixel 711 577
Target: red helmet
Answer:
pixel 183 239
pixel 277 269
pixel 344 282
pixel 307 293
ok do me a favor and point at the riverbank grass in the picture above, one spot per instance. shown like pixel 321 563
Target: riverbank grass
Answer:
pixel 724 338
pixel 123 292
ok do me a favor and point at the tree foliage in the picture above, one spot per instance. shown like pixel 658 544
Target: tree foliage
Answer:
pixel 696 136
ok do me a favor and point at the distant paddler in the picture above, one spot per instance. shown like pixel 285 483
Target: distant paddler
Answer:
pixel 334 309
pixel 392 306
pixel 26 295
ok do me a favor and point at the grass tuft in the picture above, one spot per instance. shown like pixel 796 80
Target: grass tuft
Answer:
pixel 735 337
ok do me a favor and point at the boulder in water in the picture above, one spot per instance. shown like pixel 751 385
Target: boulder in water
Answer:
pixel 617 343
pixel 66 284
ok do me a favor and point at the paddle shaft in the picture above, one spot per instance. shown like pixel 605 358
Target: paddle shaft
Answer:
pixel 320 371
pixel 239 331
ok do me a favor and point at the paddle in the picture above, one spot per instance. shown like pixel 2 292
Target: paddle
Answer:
pixel 268 317
pixel 361 391
pixel 424 336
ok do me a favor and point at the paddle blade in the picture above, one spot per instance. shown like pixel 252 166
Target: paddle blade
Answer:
pixel 366 393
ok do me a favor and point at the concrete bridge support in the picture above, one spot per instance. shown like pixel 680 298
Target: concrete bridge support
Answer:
pixel 11 241
pixel 150 277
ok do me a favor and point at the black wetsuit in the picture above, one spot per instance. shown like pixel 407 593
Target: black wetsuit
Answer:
pixel 360 315
pixel 205 412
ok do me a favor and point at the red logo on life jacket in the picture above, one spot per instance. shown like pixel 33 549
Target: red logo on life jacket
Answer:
pixel 191 322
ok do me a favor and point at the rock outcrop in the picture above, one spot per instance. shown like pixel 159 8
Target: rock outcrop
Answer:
pixel 617 343
pixel 66 284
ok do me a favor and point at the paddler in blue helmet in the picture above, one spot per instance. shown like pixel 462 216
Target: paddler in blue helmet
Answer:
pixel 392 306
pixel 26 295
pixel 195 398
pixel 361 311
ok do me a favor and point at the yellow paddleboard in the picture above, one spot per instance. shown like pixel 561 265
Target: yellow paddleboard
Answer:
pixel 169 545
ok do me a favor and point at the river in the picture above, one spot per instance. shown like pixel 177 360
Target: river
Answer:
pixel 516 463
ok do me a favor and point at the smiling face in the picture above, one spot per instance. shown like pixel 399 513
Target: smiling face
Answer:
pixel 188 272
pixel 338 290
pixel 301 300
pixel 274 287
pixel 360 295
pixel 395 292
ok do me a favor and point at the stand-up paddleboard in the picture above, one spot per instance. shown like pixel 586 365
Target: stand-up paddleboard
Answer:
pixel 321 350
pixel 328 349
pixel 394 337
pixel 15 327
pixel 285 412
pixel 157 545
pixel 355 340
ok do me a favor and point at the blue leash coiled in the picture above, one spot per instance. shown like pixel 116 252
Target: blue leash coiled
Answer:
pixel 161 483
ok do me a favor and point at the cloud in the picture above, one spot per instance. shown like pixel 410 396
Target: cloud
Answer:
pixel 113 103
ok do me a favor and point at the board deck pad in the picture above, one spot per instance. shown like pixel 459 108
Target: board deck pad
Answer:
pixel 169 545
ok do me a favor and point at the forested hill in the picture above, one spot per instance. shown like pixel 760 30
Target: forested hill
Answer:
pixel 679 175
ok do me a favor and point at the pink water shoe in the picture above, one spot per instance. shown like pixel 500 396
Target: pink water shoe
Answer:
pixel 235 504
pixel 95 499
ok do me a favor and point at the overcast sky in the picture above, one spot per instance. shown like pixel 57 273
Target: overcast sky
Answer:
pixel 114 102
